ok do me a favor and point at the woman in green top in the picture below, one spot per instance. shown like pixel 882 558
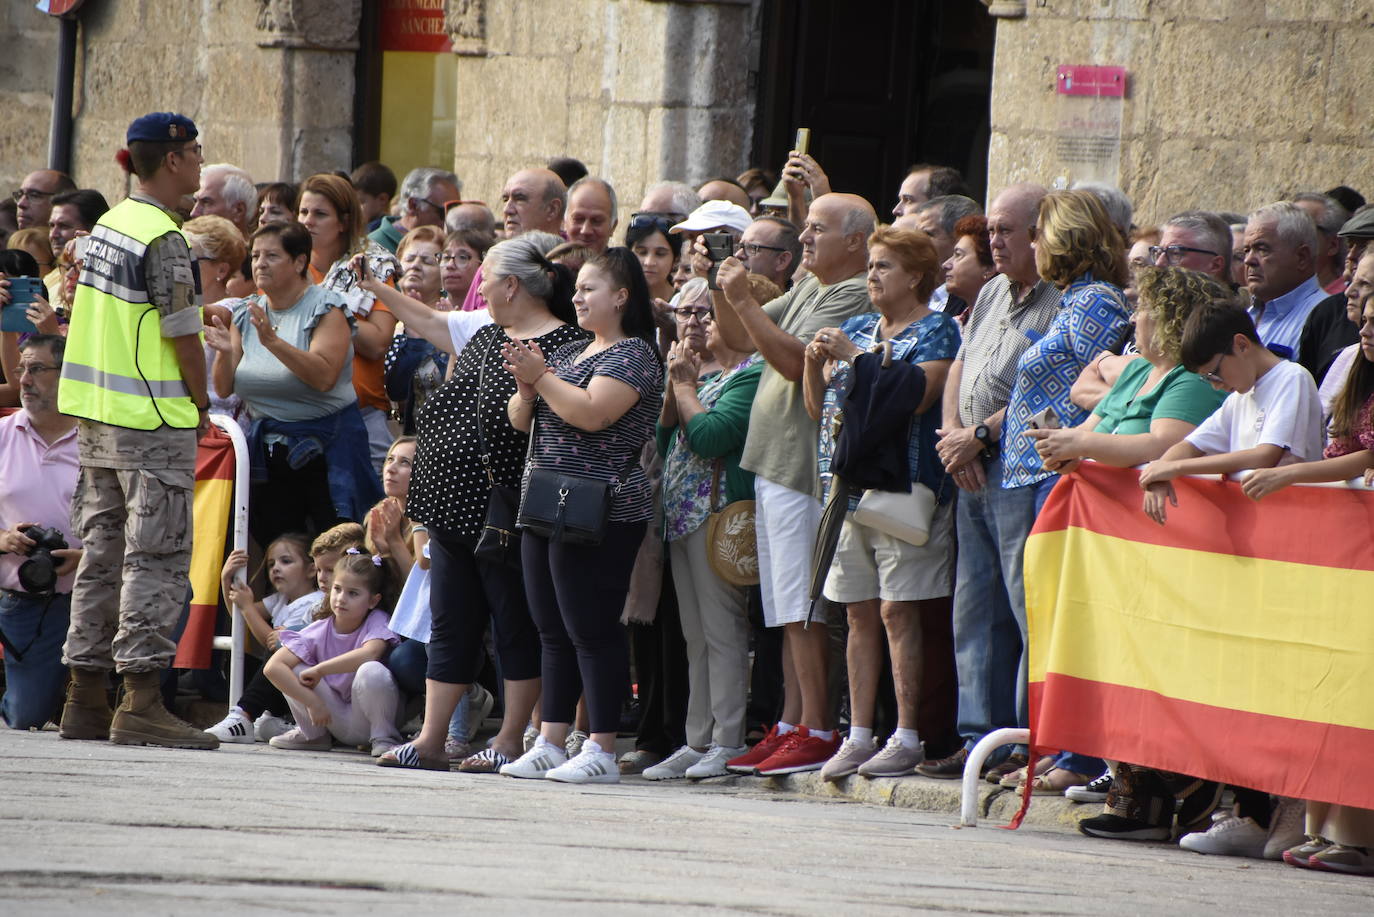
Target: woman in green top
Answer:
pixel 1155 402
pixel 701 433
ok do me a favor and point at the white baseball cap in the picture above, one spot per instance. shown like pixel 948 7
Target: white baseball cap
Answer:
pixel 715 215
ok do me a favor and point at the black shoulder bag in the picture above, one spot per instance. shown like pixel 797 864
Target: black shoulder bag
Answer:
pixel 570 508
pixel 499 542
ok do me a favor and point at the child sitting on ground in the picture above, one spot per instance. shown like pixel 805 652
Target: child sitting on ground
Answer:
pixel 292 574
pixel 260 713
pixel 1272 417
pixel 331 672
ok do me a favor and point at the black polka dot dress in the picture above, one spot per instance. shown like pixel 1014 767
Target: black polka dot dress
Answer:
pixel 448 488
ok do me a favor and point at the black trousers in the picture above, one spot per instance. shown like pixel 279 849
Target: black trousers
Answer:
pixel 290 500
pixel 660 655
pixel 576 595
pixel 464 594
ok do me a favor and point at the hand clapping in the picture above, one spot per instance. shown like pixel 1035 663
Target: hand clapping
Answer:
pixel 524 361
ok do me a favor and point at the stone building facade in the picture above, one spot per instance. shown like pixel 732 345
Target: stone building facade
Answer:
pixel 1229 103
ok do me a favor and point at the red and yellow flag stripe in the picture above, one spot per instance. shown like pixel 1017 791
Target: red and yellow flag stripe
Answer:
pixel 213 504
pixel 1234 643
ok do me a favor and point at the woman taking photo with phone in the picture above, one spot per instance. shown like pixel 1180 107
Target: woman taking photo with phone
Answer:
pixel 591 407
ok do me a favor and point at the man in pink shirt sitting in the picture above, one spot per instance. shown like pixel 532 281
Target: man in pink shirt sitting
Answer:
pixel 38 452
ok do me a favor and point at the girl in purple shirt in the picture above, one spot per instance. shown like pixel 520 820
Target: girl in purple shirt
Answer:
pixel 332 672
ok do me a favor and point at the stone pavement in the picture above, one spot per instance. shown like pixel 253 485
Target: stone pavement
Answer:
pixel 88 827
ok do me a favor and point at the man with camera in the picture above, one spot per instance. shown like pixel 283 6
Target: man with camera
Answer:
pixel 38 452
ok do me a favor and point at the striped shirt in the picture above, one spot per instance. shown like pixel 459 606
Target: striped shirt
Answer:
pixel 612 453
pixel 999 330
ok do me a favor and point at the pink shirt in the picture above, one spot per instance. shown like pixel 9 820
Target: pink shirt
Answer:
pixel 320 641
pixel 474 300
pixel 36 486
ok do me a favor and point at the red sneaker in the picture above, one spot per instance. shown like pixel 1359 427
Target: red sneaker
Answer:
pixel 748 762
pixel 804 752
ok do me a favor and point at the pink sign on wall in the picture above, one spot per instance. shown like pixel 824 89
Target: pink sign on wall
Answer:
pixel 1089 80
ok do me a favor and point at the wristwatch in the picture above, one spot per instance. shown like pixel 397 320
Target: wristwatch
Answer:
pixel 984 436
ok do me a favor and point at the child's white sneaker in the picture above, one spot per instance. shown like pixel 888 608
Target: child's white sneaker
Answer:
pixel 592 765
pixel 543 757
pixel 236 728
pixel 267 727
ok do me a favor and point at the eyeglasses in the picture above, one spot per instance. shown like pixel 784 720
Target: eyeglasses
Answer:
pixel 1214 374
pixel 649 219
pixel 31 193
pixel 193 148
pixel 1174 253
pixel 428 203
pixel 36 369
pixel 687 313
pixel 460 258
pixel 750 249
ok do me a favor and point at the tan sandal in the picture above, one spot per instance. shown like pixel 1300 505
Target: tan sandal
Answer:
pixel 1018 777
pixel 1056 780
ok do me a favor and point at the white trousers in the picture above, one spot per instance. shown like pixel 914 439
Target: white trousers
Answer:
pixel 369 714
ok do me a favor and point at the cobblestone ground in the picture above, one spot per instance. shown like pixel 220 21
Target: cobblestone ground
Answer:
pixel 91 828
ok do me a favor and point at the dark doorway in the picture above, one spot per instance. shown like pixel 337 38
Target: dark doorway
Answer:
pixel 881 84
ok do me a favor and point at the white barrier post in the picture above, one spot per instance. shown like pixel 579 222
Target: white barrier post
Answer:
pixel 235 640
pixel 968 806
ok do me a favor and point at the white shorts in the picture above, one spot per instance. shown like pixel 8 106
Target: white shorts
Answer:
pixel 785 524
pixel 871 565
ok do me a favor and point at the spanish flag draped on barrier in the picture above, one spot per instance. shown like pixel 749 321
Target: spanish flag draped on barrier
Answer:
pixel 214 499
pixel 1235 643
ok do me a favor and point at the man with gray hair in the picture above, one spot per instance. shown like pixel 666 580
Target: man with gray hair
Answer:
pixel 1197 240
pixel 533 200
pixel 420 202
pixel 1013 309
pixel 1329 216
pixel 1280 246
pixel 936 218
pixel 780 449
pixel 227 191
pixel 592 213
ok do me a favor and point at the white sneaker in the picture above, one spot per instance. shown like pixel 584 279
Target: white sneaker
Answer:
pixel 847 759
pixel 542 757
pixel 674 767
pixel 267 727
pixel 712 764
pixel 1228 836
pixel 236 728
pixel 1287 828
pixel 591 765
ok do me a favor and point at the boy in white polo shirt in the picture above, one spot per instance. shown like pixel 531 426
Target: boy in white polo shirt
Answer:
pixel 1272 417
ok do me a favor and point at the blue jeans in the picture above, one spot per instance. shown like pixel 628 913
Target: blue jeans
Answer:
pixel 407 663
pixel 33 684
pixel 990 603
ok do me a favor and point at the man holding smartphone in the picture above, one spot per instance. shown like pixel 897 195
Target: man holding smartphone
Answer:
pixel 781 450
pixel 134 375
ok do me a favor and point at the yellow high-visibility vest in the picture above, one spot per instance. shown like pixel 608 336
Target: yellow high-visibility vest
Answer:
pixel 118 367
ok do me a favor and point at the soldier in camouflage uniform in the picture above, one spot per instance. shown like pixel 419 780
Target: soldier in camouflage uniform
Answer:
pixel 139 387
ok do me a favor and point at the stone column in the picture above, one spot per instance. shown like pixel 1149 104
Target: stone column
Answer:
pixel 639 90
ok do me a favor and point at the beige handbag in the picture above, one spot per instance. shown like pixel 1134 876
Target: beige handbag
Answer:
pixel 906 517
pixel 731 548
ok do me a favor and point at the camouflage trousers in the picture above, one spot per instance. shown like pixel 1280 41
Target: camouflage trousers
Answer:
pixel 131 584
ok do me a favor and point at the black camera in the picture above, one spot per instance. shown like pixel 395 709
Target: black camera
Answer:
pixel 38 572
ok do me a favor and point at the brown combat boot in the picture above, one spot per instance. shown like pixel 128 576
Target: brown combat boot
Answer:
pixel 141 718
pixel 86 715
